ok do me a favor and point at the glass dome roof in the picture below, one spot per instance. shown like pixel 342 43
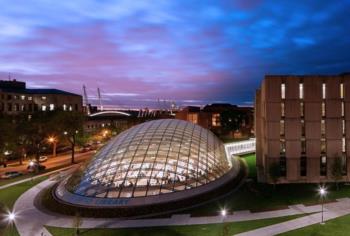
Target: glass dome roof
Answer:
pixel 160 156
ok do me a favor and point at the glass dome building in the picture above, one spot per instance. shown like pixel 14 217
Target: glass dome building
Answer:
pixel 153 162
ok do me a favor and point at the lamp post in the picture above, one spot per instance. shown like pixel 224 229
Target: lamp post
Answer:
pixel 53 140
pixel 323 192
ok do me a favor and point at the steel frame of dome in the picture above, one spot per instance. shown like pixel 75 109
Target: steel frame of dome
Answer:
pixel 152 159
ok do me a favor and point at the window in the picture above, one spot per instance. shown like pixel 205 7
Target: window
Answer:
pixel 323 109
pixel 342 90
pixel 323 166
pixel 23 97
pixel 343 127
pixel 282 109
pixel 283 91
pixel 23 108
pixel 193 117
pixel 43 107
pixel 323 145
pixel 301 91
pixel 323 127
pixel 64 107
pixel 303 165
pixel 43 98
pixel 303 146
pixel 343 146
pixel 342 109
pixel 302 109
pixel 30 98
pixel 302 128
pixel 283 146
pixel 215 120
pixel 16 107
pixel 52 107
pixel 9 107
pixel 282 128
pixel 323 91
pixel 70 108
pixel 344 164
pixel 283 164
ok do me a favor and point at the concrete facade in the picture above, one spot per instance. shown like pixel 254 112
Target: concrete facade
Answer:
pixel 303 124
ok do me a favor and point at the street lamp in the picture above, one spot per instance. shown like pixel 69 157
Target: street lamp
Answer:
pixel 53 140
pixel 323 192
pixel 11 217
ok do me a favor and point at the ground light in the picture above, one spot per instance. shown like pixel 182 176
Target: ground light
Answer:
pixel 323 192
pixel 11 217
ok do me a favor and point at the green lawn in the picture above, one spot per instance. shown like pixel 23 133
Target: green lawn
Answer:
pixel 337 227
pixel 251 162
pixel 203 230
pixel 8 197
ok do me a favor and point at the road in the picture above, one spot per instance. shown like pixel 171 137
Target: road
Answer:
pixel 52 162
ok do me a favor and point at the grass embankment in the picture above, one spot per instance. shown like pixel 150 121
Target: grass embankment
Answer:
pixel 203 230
pixel 8 197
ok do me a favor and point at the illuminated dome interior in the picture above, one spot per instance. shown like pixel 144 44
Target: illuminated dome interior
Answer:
pixel 160 156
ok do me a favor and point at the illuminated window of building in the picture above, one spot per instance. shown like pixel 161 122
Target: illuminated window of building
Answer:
pixel 341 90
pixel 323 91
pixel 342 109
pixel 23 108
pixel 23 97
pixel 303 145
pixel 43 107
pixel 283 91
pixel 215 120
pixel 301 91
pixel 282 146
pixel 70 108
pixel 323 109
pixel 15 97
pixel 30 98
pixel 282 109
pixel 52 107
pixel 302 109
pixel 64 107
pixel 323 145
pixel 343 144
pixel 323 127
pixel 43 98
pixel 343 126
pixel 282 127
pixel 193 117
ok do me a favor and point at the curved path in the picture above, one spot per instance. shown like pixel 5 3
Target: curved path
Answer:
pixel 30 221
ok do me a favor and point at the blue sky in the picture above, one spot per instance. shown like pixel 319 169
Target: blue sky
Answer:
pixel 194 52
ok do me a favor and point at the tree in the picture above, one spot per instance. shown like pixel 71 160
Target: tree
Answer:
pixel 337 170
pixel 70 124
pixel 274 172
pixel 232 120
pixel 7 138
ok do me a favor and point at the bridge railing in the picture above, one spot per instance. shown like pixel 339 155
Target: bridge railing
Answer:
pixel 240 147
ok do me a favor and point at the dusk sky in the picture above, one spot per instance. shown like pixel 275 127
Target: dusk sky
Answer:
pixel 193 52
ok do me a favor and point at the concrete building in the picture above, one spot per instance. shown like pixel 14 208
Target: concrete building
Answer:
pixel 302 123
pixel 209 117
pixel 15 99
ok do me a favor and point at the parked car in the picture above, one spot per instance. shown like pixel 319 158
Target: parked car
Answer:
pixel 11 174
pixel 34 165
pixel 42 158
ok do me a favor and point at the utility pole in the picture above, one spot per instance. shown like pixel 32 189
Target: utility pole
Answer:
pixel 86 101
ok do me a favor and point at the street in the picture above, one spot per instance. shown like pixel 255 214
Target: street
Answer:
pixel 51 163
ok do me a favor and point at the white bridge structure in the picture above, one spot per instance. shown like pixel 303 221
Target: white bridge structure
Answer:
pixel 240 147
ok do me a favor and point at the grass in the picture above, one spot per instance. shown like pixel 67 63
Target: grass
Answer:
pixel 8 197
pixel 251 162
pixel 203 230
pixel 336 227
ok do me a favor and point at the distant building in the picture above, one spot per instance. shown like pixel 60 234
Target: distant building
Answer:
pixel 209 117
pixel 15 99
pixel 302 123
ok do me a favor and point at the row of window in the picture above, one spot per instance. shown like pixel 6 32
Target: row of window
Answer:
pixel 301 90
pixel 35 107
pixel 303 166
pixel 19 97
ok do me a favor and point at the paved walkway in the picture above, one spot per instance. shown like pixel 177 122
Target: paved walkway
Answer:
pixel 26 212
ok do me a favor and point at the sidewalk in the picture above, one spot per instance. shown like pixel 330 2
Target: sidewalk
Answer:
pixel 26 211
